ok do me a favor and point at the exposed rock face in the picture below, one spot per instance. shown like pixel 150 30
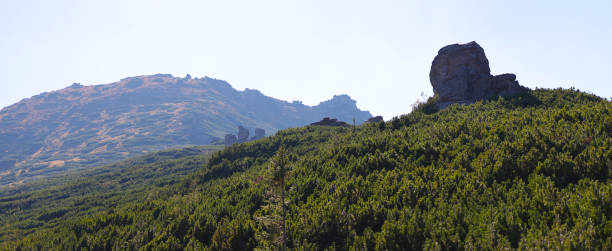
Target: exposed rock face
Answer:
pixel 230 139
pixel 374 119
pixel 243 134
pixel 330 122
pixel 259 133
pixel 460 74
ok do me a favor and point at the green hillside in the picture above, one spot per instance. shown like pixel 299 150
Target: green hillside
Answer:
pixel 528 172
pixel 47 202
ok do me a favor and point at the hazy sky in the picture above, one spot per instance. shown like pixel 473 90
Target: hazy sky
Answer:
pixel 378 52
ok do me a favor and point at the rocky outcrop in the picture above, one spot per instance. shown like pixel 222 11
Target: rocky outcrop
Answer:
pixel 259 133
pixel 330 122
pixel 375 119
pixel 243 134
pixel 460 74
pixel 230 139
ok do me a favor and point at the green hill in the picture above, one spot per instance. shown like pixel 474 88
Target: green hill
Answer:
pixel 47 202
pixel 84 126
pixel 528 172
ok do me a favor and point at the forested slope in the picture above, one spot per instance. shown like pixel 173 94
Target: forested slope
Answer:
pixel 527 172
pixel 47 202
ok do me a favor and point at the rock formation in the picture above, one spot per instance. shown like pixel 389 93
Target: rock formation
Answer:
pixel 243 134
pixel 259 133
pixel 375 119
pixel 460 74
pixel 230 139
pixel 330 122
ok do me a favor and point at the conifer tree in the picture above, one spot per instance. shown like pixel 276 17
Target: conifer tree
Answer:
pixel 274 222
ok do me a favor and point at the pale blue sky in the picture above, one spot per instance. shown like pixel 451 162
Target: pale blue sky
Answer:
pixel 378 52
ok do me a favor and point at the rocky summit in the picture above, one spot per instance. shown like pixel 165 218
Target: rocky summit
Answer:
pixel 460 74
pixel 375 119
pixel 329 122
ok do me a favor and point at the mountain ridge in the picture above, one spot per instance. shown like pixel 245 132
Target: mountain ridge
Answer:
pixel 81 126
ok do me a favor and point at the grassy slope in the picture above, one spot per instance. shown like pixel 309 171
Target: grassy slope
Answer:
pixel 528 172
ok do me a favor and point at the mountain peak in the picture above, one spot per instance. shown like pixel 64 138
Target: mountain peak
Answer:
pixel 342 99
pixel 98 124
pixel 76 85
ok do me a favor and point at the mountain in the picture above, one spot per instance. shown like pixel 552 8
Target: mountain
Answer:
pixel 82 126
pixel 529 172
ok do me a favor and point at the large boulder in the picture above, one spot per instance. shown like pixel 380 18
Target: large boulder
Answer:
pixel 259 133
pixel 230 139
pixel 243 134
pixel 460 74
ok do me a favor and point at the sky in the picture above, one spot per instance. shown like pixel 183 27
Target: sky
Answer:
pixel 378 52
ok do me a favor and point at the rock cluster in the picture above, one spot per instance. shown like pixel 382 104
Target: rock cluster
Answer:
pixel 460 74
pixel 243 136
pixel 330 122
pixel 374 119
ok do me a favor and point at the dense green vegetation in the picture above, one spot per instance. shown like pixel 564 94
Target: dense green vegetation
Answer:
pixel 528 172
pixel 44 203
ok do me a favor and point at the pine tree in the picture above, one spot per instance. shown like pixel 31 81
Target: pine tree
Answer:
pixel 276 211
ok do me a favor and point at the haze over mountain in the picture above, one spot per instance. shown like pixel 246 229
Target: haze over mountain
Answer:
pixel 82 126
